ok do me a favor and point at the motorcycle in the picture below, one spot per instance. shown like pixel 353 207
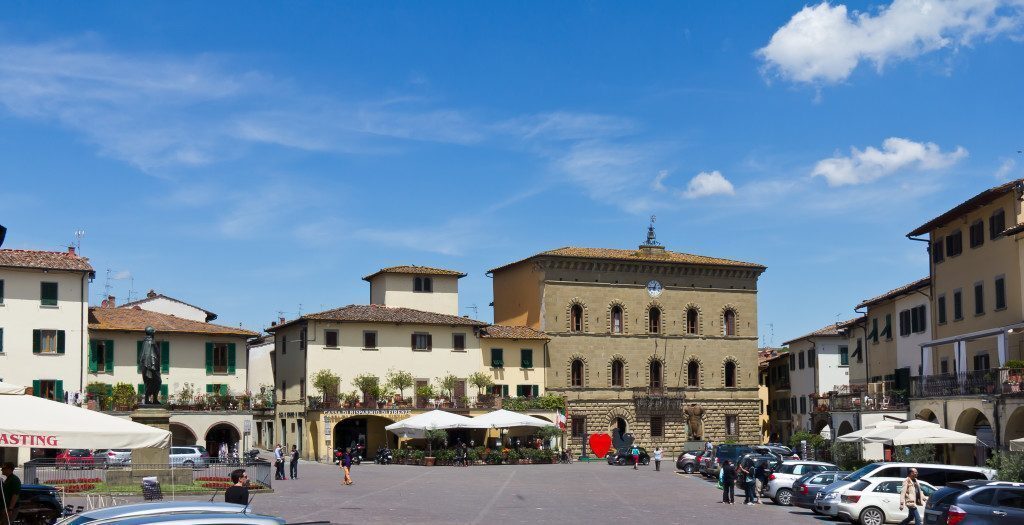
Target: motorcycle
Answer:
pixel 252 455
pixel 338 453
pixel 384 456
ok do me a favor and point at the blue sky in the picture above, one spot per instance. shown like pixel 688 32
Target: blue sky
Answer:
pixel 255 158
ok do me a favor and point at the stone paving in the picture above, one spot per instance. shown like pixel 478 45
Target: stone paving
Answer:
pixel 588 493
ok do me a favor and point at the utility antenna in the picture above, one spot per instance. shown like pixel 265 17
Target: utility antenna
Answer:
pixel 771 334
pixel 300 309
pixel 474 308
pixel 106 285
pixel 78 240
pixel 131 289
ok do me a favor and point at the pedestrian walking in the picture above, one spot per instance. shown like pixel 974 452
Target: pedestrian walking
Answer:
pixel 760 479
pixel 728 477
pixel 636 456
pixel 745 474
pixel 278 462
pixel 238 493
pixel 657 459
pixel 912 498
pixel 293 465
pixel 346 465
pixel 11 489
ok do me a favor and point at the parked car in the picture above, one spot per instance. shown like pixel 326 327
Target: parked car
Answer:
pixel 784 453
pixel 723 452
pixel 806 488
pixel 623 457
pixel 76 457
pixel 751 460
pixel 192 456
pixel 113 456
pixel 780 482
pixel 196 518
pixel 39 504
pixel 976 503
pixel 937 475
pixel 689 461
pixel 151 509
pixel 874 501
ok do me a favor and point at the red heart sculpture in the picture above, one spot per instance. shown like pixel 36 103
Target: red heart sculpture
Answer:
pixel 600 444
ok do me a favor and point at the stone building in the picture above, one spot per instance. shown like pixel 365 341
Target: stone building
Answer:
pixel 637 336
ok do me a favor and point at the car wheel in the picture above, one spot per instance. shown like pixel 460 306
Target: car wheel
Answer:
pixel 646 461
pixel 189 463
pixel 784 497
pixel 872 516
pixel 688 468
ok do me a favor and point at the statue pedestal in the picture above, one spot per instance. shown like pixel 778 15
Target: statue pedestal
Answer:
pixel 151 461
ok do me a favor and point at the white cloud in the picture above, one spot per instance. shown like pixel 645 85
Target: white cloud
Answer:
pixel 706 184
pixel 825 43
pixel 658 184
pixel 564 125
pixel 1005 169
pixel 611 173
pixel 866 165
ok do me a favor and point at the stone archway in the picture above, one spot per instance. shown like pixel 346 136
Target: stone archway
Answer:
pixel 973 421
pixel 845 428
pixel 225 433
pixel 927 415
pixel 1014 426
pixel 181 435
pixel 367 431
pixel 819 425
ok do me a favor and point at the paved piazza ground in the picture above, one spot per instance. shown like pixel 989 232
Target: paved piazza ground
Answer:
pixel 579 493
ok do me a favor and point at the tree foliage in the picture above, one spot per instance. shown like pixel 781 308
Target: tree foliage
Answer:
pixel 400 380
pixel 481 380
pixel 914 454
pixel 327 382
pixel 1010 465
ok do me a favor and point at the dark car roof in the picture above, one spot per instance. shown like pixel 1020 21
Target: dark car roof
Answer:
pixel 40 488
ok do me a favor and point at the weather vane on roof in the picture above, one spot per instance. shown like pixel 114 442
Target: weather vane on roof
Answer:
pixel 651 240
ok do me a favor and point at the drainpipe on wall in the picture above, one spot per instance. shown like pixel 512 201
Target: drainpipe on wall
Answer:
pixel 932 317
pixel 867 363
pixel 82 343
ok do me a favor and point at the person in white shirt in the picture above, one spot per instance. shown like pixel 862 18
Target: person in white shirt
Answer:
pixel 657 458
pixel 278 462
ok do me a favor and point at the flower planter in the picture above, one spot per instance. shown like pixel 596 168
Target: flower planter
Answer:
pixel 429 461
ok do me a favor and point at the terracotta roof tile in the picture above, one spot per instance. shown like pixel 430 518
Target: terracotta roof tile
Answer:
pixel 44 260
pixel 967 206
pixel 152 296
pixel 896 292
pixel 136 319
pixel 829 330
pixel 658 255
pixel 373 313
pixel 497 331
pixel 415 270
pixel 1013 229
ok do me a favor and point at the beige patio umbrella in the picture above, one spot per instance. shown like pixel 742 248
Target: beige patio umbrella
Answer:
pixel 902 434
pixel 881 426
pixel 1017 445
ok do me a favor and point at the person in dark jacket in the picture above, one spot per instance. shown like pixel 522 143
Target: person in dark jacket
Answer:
pixel 346 465
pixel 239 492
pixel 728 483
pixel 760 479
pixel 293 465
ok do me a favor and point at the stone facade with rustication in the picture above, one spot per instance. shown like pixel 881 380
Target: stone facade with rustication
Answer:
pixel 548 290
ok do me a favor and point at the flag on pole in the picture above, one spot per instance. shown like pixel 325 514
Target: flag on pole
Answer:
pixel 561 419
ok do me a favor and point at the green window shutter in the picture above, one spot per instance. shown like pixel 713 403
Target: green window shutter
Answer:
pixel 209 360
pixel 109 390
pixel 887 331
pixel 504 390
pixel 536 391
pixel 37 387
pixel 60 341
pixel 1 291
pixel 1 336
pixel 163 392
pixel 142 389
pixel 138 356
pixel 224 389
pixel 165 357
pixel 37 341
pixel 58 390
pixel 526 358
pixel 519 390
pixel 209 388
pixel 231 358
pixel 497 358
pixel 92 357
pixel 109 357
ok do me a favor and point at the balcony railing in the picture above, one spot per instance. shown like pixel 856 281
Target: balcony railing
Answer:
pixel 189 403
pixel 480 402
pixel 995 381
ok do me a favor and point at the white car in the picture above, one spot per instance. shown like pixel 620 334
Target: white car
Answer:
pixel 780 482
pixel 151 509
pixel 114 456
pixel 191 456
pixel 875 501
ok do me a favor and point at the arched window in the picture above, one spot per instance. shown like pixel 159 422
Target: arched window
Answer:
pixel 729 322
pixel 655 320
pixel 577 372
pixel 691 320
pixel 693 374
pixel 428 284
pixel 616 319
pixel 617 373
pixel 730 374
pixel 655 374
pixel 417 284
pixel 576 318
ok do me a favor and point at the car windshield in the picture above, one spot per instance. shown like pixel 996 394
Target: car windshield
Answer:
pixel 78 452
pixel 201 449
pixel 861 472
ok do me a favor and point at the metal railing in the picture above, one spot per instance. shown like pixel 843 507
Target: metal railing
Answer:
pixel 100 478
pixel 994 381
pixel 196 402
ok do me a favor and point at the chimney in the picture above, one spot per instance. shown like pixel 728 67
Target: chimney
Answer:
pixel 71 250
pixel 273 323
pixel 151 294
pixel 111 302
pixel 103 304
pixel 280 320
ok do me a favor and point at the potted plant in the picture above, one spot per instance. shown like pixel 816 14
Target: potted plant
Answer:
pixel 124 396
pixel 425 393
pixel 400 380
pixel 433 435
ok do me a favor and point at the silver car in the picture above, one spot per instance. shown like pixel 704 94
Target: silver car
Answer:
pixel 113 456
pixel 197 518
pixel 151 509
pixel 191 456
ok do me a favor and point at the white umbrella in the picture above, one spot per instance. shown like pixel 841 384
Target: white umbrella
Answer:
pixel 30 421
pixel 826 432
pixel 508 419
pixel 880 427
pixel 415 426
pixel 1017 445
pixel 907 435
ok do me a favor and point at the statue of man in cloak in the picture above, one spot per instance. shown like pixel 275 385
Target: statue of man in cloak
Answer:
pixel 694 414
pixel 149 361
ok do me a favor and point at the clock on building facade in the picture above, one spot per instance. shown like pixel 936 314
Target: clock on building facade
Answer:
pixel 654 288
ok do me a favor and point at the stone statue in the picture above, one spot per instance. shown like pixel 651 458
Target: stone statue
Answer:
pixel 149 361
pixel 695 418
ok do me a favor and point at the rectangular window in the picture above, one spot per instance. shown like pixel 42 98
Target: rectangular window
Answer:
pixel 996 224
pixel 579 426
pixel 792 404
pixel 732 426
pixel 220 358
pixel 981 362
pixel 803 404
pixel 369 339
pixel 423 284
pixel 527 390
pixel 938 251
pixel 874 330
pixel 302 388
pixel 497 358
pixel 213 389
pixel 954 244
pixel 887 330
pixel 941 307
pixel 792 362
pixel 52 389
pixel 811 358
pixel 459 342
pixel 657 426
pixel 48 294
pixel 944 366
pixel 284 390
pixel 979 298
pixel 284 344
pixel 48 342
pixel 101 356
pixel 977 234
pixel 421 342
pixel 1000 293
pixel 1 342
pixel 526 358
pixel 801 359
pixel 918 319
pixel 331 338
pixel 302 340
pixel 958 306
pixel 1 291
pixel 904 323
pixel 844 356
